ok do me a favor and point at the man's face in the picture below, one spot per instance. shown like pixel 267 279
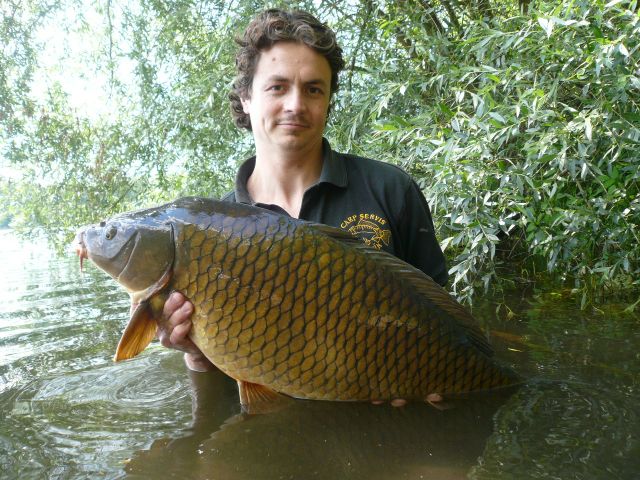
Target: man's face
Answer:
pixel 289 98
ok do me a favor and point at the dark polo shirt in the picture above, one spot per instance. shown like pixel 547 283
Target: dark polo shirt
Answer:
pixel 375 201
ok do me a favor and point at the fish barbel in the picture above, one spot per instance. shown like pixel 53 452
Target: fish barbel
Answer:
pixel 283 305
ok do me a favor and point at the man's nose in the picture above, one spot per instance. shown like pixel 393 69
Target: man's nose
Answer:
pixel 294 101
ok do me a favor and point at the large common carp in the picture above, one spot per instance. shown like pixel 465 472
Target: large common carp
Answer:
pixel 283 305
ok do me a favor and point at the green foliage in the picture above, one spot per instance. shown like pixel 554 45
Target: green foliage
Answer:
pixel 524 134
pixel 519 120
pixel 17 61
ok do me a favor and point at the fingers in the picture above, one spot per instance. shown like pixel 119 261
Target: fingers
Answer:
pixel 396 402
pixel 173 332
pixel 180 332
pixel 176 303
pixel 175 324
pixel 433 398
pixel 198 362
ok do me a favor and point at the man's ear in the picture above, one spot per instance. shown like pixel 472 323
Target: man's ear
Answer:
pixel 246 102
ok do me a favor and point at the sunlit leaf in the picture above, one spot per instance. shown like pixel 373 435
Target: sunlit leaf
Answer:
pixel 547 25
pixel 587 128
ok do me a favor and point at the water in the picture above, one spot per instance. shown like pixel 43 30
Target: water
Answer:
pixel 67 411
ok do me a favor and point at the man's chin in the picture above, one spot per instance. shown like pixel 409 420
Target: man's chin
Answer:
pixel 293 141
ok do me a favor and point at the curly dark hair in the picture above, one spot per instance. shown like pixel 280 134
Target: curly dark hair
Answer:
pixel 268 28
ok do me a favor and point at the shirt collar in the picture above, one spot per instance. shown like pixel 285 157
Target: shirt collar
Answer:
pixel 333 172
pixel 333 169
pixel 244 172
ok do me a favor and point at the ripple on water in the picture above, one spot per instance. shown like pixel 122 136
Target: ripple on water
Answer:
pixel 76 418
pixel 66 411
pixel 63 333
pixel 135 382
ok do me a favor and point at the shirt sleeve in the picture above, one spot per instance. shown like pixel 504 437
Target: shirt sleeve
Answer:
pixel 418 238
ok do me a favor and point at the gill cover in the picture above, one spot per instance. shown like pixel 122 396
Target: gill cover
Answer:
pixel 135 251
pixel 152 254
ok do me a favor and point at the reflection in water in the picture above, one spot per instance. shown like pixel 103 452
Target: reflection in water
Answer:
pixel 67 411
pixel 310 439
pixel 567 429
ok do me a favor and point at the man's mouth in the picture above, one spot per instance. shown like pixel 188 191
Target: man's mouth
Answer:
pixel 292 123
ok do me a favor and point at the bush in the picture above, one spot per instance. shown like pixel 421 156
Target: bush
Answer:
pixel 524 134
pixel 522 127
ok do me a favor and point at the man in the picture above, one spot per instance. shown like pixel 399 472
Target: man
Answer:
pixel 288 66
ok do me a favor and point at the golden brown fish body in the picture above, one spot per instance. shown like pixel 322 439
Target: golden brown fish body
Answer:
pixel 303 309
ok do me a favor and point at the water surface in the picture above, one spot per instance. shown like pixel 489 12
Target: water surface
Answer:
pixel 67 411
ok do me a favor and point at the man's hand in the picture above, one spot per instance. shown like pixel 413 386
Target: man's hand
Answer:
pixel 173 332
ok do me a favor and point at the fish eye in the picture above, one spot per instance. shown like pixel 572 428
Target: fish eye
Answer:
pixel 111 232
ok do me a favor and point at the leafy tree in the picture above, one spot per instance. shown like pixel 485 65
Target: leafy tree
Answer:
pixel 519 120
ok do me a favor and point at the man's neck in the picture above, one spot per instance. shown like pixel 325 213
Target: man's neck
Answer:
pixel 282 179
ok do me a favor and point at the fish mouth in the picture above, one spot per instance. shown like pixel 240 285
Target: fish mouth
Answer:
pixel 80 248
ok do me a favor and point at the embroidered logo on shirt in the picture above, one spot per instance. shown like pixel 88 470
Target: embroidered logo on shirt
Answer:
pixel 369 227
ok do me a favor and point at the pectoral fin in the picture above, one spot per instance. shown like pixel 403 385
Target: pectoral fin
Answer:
pixel 142 326
pixel 256 399
pixel 138 334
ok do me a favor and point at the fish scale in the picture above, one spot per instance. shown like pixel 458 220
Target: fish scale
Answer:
pixel 290 269
pixel 308 311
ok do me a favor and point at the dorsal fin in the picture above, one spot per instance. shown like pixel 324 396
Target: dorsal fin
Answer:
pixel 432 293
